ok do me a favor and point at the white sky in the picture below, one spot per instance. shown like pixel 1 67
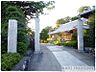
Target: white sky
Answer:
pixel 62 9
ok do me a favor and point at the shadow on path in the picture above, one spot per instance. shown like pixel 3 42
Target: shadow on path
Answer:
pixel 44 61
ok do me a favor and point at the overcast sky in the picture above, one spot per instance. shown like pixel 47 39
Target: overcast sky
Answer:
pixel 62 9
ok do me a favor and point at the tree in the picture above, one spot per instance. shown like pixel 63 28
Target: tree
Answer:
pixel 30 32
pixel 29 8
pixel 13 12
pixel 91 22
pixel 74 18
pixel 44 33
pixel 62 21
pixel 83 8
pixel 65 20
pixel 19 10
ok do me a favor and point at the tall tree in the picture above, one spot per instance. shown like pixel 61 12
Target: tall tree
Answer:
pixel 91 22
pixel 20 10
pixel 83 8
pixel 44 33
pixel 62 21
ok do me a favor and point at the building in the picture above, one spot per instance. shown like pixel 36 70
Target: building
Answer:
pixel 65 31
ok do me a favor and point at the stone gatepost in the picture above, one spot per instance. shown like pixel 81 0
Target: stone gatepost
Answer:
pixel 80 35
pixel 12 36
pixel 37 35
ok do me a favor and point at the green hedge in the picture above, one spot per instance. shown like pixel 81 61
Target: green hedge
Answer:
pixel 70 43
pixel 55 42
pixel 21 48
pixel 8 60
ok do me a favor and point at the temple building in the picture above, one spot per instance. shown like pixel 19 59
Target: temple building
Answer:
pixel 65 31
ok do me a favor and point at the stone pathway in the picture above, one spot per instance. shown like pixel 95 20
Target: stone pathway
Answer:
pixel 55 58
pixel 72 55
pixel 69 57
pixel 45 61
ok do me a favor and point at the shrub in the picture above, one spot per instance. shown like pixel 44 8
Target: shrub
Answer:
pixel 59 43
pixel 69 43
pixel 8 60
pixel 22 48
pixel 13 12
pixel 4 38
pixel 56 42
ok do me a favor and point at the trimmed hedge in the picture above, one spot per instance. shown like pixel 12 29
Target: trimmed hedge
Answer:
pixel 70 44
pixel 56 42
pixel 8 60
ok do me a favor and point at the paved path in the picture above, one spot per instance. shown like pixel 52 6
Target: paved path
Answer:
pixel 64 57
pixel 55 58
pixel 45 61
pixel 68 57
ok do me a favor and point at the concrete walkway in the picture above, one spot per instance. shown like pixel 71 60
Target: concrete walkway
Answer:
pixel 68 57
pixel 56 58
pixel 72 55
pixel 45 61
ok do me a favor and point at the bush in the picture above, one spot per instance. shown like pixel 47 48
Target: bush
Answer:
pixel 56 42
pixel 4 38
pixel 59 43
pixel 69 43
pixel 22 48
pixel 13 12
pixel 8 60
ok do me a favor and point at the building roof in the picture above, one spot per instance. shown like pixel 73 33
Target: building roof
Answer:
pixel 73 24
pixel 86 14
pixel 69 26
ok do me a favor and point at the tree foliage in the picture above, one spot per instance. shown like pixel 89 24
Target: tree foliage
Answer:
pixel 44 33
pixel 91 22
pixel 89 34
pixel 83 8
pixel 29 8
pixel 30 33
pixel 13 12
pixel 65 20
pixel 20 10
pixel 62 21
pixel 74 18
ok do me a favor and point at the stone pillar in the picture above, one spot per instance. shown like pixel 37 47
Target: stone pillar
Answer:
pixel 12 36
pixel 95 43
pixel 37 36
pixel 80 36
